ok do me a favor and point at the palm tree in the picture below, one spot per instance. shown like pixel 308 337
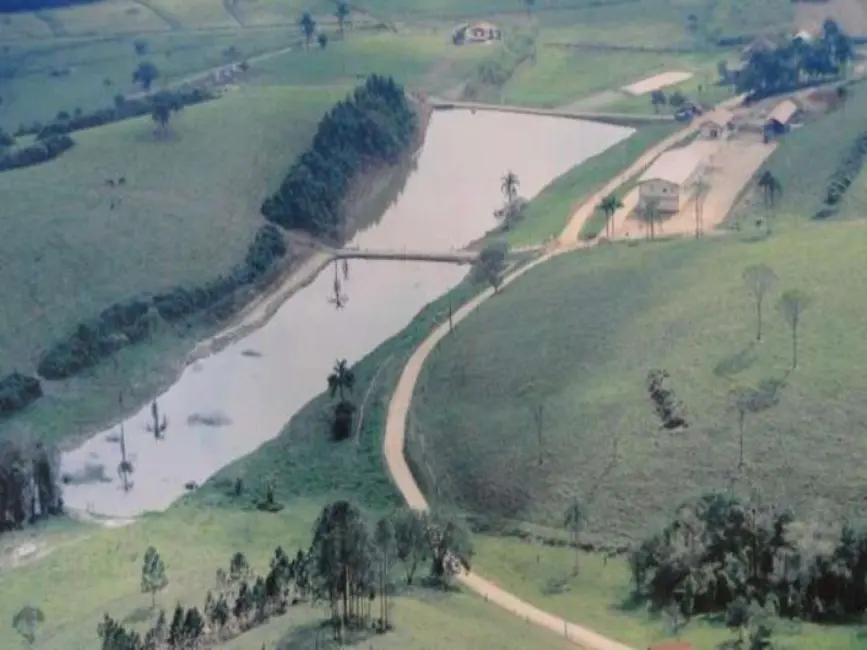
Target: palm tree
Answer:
pixel 609 206
pixel 771 189
pixel 341 379
pixel 341 12
pixel 509 186
pixel 573 521
pixel 701 188
pixel 308 27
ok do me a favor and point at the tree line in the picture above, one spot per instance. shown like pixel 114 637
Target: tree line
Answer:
pixel 13 6
pixel 796 62
pixel 373 126
pixel 28 484
pixel 350 565
pixel 133 321
pixel 723 555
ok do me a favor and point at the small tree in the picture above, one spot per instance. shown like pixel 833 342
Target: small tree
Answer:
pixel 490 265
pixel 676 99
pixel 153 574
pixel 792 305
pixel 609 207
pixel 341 380
pixel 26 621
pixel 771 189
pixel 657 99
pixel 509 184
pixel 701 188
pixel 341 12
pixel 308 27
pixel 384 539
pixel 738 618
pixel 409 540
pixel 573 520
pixel 759 279
pixel 322 39
pixel 141 46
pixel 145 74
pixel 239 568
pixel 449 545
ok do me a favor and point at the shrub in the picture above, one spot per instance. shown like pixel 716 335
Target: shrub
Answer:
pixel 40 152
pixel 17 391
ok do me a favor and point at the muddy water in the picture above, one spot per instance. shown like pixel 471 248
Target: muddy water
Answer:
pixel 225 406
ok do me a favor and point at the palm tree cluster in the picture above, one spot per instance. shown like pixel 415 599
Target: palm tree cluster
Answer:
pixel 348 565
pixel 375 125
pixel 28 484
pixel 796 62
pixel 719 551
pixel 609 206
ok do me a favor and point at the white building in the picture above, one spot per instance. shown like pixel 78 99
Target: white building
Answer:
pixel 669 179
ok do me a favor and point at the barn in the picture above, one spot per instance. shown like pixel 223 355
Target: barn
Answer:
pixel 668 180
pixel 780 119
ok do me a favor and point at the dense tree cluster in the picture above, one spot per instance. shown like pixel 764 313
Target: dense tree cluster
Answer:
pixel 45 149
pixel 796 63
pixel 720 553
pixel 17 391
pixel 846 171
pixel 132 321
pixel 28 484
pixel 375 125
pixel 12 6
pixel 123 109
pixel 348 565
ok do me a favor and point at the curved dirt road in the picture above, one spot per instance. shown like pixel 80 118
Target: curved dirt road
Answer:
pixel 395 433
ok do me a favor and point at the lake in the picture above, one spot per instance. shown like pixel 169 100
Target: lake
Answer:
pixel 225 406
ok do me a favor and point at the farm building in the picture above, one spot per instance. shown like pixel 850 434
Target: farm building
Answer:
pixel 668 180
pixel 478 32
pixel 718 125
pixel 780 119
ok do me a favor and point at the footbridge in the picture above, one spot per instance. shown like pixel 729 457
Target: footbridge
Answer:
pixel 451 257
pixel 627 119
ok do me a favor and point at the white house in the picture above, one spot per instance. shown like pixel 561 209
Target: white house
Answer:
pixel 718 125
pixel 668 180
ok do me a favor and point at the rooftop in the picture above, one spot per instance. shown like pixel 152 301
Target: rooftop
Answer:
pixel 675 166
pixel 783 112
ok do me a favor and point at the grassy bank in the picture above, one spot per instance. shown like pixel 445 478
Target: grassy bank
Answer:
pixel 549 212
pixel 578 336
pixel 599 598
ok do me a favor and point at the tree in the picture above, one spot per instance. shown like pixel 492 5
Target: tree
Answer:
pixel 322 39
pixel 341 379
pixel 676 99
pixel 490 264
pixel 308 27
pixel 341 12
pixel 759 279
pixel 771 189
pixel 738 618
pixel 410 542
pixel 153 574
pixel 509 184
pixel 384 539
pixel 239 568
pixel 701 188
pixel 573 520
pixel 609 206
pixel 449 545
pixel 163 106
pixel 26 621
pixel 657 99
pixel 141 46
pixel 743 400
pixel 145 74
pixel 792 305
pixel 115 637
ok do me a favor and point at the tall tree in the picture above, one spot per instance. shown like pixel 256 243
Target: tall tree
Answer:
pixel 573 521
pixel 491 264
pixel 341 379
pixel 792 305
pixel 509 184
pixel 410 541
pixel 701 188
pixel 759 279
pixel 771 189
pixel 153 574
pixel 609 206
pixel 308 27
pixel 384 539
pixel 26 621
pixel 341 12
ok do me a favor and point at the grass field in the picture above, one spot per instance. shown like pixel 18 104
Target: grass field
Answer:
pixel 551 209
pixel 178 220
pixel 579 335
pixel 194 543
pixel 598 597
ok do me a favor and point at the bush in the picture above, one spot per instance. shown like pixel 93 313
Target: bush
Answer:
pixel 374 125
pixel 846 172
pixel 133 321
pixel 17 391
pixel 40 152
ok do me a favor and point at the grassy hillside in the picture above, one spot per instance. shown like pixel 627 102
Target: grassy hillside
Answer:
pixel 579 335
pixel 188 211
pixel 194 544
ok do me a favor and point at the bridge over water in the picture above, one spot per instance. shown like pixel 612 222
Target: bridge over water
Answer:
pixel 451 257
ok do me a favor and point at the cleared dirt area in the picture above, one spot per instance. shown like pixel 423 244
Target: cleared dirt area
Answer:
pixel 850 14
pixel 656 82
pixel 730 169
